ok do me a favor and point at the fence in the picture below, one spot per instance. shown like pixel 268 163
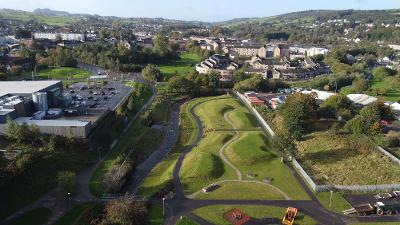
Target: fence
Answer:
pixel 256 114
pixel 308 179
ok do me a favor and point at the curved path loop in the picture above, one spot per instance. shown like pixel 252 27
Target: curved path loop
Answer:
pixel 238 172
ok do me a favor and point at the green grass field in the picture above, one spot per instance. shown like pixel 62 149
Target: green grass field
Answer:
pixel 338 202
pixel 242 191
pixel 180 67
pixel 345 160
pixel 252 153
pixel 162 173
pixel 28 16
pixel 393 93
pixel 212 114
pixel 71 216
pixel 203 166
pixel 214 214
pixel 60 73
pixel 35 217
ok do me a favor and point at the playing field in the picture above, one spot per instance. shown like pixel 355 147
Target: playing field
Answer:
pixel 181 67
pixel 59 73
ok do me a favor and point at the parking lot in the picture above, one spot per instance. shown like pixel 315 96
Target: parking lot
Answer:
pixel 95 96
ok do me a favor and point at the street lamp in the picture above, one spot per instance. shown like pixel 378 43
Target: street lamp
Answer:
pixel 69 199
pixel 163 206
pixel 330 200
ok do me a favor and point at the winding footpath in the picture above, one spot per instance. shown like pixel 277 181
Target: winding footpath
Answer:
pixel 238 172
pixel 180 205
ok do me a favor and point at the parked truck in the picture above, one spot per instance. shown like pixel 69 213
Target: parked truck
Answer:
pixel 379 208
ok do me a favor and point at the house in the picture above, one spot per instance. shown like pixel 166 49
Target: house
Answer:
pixel 361 99
pixel 246 51
pixel 282 51
pixel 220 64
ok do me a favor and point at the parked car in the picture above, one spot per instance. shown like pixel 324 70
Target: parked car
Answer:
pixel 383 196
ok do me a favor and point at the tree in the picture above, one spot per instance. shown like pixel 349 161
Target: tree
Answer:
pixel 126 211
pixel 337 104
pixel 180 84
pixel 66 180
pixel 161 45
pixel 284 143
pixel 298 111
pixel 214 79
pixel 360 85
pixel 151 73
pixel 240 75
pixel 382 72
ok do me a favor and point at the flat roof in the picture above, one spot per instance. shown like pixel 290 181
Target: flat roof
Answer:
pixel 24 87
pixel 4 112
pixel 51 123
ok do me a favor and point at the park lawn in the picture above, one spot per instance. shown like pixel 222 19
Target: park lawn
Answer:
pixel 139 138
pixel 214 214
pixel 59 73
pixel 203 166
pixel 242 191
pixel 393 93
pixel 186 221
pixel 35 217
pixel 181 67
pixel 344 159
pixel 155 214
pixel 72 216
pixel 162 173
pixel 252 153
pixel 212 114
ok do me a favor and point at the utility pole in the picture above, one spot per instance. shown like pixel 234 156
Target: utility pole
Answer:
pixel 330 200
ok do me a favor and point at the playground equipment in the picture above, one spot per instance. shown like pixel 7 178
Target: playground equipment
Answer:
pixel 290 216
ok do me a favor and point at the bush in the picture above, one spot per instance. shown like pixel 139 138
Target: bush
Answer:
pixel 126 211
pixel 115 178
pixel 393 138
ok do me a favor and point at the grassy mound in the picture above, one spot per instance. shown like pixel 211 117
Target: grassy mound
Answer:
pixel 250 149
pixel 252 153
pixel 204 166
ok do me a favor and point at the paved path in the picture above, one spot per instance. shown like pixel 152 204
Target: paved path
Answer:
pixel 169 141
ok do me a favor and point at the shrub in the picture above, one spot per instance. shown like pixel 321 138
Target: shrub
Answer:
pixel 393 138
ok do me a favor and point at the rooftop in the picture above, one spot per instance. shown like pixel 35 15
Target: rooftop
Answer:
pixel 51 123
pixel 24 87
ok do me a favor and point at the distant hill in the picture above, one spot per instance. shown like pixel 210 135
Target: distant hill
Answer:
pixel 311 16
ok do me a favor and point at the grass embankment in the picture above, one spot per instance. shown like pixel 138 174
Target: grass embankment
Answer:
pixel 138 140
pixel 186 221
pixel 59 73
pixel 35 217
pixel 252 153
pixel 345 160
pixel 162 173
pixel 214 214
pixel 73 215
pixel 180 67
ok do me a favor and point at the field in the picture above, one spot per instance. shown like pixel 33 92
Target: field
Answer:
pixel 214 214
pixel 393 93
pixel 60 73
pixel 338 202
pixel 181 67
pixel 155 215
pixel 35 217
pixel 345 160
pixel 228 123
pixel 27 16
pixel 252 153
pixel 186 221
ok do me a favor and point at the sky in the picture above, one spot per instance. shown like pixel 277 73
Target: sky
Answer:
pixel 200 10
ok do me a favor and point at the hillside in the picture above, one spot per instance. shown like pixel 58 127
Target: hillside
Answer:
pixel 308 17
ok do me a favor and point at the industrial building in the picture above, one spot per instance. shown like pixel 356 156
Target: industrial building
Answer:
pixel 33 102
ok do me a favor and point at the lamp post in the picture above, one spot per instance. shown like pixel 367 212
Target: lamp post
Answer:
pixel 163 206
pixel 69 199
pixel 330 200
